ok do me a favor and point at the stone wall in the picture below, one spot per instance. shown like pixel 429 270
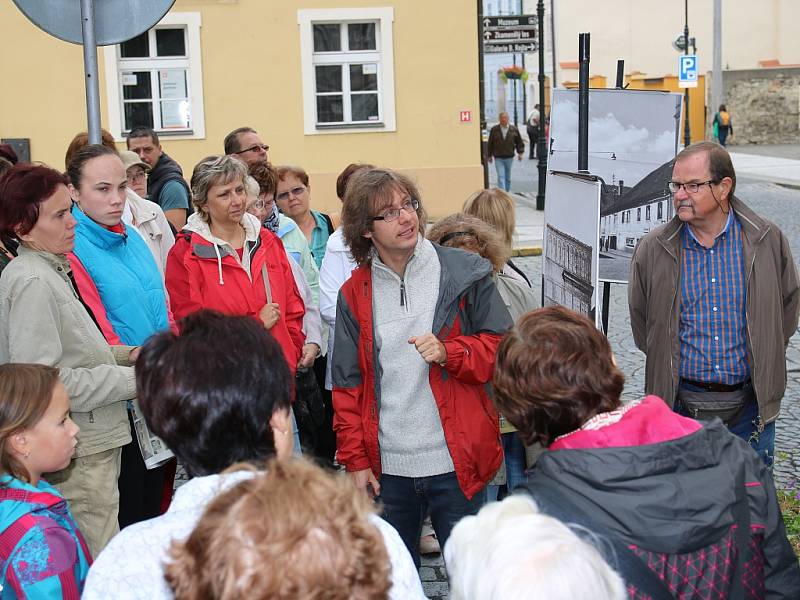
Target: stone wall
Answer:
pixel 764 105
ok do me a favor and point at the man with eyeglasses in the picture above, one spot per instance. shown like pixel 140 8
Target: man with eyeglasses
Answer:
pixel 165 183
pixel 714 298
pixel 417 327
pixel 245 144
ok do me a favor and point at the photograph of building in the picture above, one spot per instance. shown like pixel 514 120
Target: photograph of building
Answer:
pixel 567 271
pixel 632 135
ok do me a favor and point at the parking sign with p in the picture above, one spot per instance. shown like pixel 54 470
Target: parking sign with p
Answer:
pixel 687 71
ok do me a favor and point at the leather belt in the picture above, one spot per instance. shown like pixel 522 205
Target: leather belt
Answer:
pixel 717 387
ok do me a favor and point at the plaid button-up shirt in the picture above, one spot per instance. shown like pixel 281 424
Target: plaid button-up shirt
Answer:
pixel 713 340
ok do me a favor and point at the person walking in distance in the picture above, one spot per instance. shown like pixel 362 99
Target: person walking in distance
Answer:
pixel 533 130
pixel 504 140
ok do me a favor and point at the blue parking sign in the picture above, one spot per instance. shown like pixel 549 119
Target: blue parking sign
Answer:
pixel 687 70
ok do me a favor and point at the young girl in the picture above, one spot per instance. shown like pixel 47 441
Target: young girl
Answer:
pixel 42 553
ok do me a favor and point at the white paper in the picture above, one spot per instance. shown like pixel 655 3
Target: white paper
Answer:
pixel 369 69
pixel 129 79
pixel 154 451
pixel 175 114
pixel 173 84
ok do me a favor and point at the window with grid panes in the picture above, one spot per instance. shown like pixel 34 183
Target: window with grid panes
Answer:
pixel 154 80
pixel 347 71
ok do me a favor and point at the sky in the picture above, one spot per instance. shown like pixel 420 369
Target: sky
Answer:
pixel 638 127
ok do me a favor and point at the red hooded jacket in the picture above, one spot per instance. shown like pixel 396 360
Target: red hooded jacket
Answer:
pixel 202 273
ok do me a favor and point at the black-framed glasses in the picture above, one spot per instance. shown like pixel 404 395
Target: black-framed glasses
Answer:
pixel 295 191
pixel 253 148
pixel 391 214
pixel 691 187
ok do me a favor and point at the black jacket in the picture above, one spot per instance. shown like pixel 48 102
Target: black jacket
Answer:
pixel 504 148
pixel 165 170
pixel 678 497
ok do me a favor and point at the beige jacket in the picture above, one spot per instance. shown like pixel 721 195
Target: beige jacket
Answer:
pixel 43 321
pixel 773 302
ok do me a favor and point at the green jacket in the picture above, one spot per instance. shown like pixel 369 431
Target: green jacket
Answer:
pixel 43 321
pixel 773 301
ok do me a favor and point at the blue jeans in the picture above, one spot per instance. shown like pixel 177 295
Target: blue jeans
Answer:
pixel 514 456
pixel 298 450
pixel 503 168
pixel 406 501
pixel 749 426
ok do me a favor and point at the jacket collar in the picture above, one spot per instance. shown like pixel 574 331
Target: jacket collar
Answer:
pixel 196 224
pixel 96 233
pixel 753 227
pixel 54 260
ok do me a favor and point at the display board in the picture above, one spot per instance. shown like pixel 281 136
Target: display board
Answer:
pixel 571 241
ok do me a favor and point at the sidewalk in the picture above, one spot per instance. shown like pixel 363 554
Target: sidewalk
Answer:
pixel 775 169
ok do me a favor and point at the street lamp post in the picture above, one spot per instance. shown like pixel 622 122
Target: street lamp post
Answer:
pixel 687 138
pixel 541 147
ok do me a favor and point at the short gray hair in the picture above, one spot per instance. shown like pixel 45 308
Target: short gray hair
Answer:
pixel 251 185
pixel 510 548
pixel 214 170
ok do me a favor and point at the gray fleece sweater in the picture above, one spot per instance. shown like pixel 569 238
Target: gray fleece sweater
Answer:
pixel 411 437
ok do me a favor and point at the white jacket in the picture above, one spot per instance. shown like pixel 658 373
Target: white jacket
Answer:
pixel 149 220
pixel 337 265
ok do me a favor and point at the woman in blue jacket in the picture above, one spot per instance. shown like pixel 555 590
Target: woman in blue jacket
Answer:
pixel 42 553
pixel 120 283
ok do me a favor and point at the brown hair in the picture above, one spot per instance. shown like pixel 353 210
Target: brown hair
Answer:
pixel 265 177
pixel 293 532
pixel 82 139
pixel 346 174
pixel 231 142
pixel 496 208
pixel 283 170
pixel 720 165
pixel 471 234
pixel 554 371
pixel 368 192
pixel 25 393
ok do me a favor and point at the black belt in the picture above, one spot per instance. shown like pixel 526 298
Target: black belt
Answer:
pixel 717 387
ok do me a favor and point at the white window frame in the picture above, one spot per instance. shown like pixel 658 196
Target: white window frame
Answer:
pixel 306 18
pixel 192 22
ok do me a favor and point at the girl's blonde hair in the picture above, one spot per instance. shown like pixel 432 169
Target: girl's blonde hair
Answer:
pixel 496 208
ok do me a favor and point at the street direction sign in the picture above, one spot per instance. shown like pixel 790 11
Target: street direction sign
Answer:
pixel 510 22
pixel 510 33
pixel 510 48
pixel 687 71
pixel 509 36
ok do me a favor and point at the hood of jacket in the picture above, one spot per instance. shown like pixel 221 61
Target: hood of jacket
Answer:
pixel 252 229
pixel 672 497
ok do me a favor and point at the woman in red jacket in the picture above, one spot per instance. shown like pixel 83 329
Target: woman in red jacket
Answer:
pixel 224 260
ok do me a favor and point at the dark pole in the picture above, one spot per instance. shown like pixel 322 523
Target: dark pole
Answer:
pixel 481 99
pixel 541 148
pixel 516 117
pixel 583 102
pixel 620 74
pixel 687 138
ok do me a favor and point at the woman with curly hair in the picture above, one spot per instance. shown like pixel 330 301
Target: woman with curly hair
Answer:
pixel 292 532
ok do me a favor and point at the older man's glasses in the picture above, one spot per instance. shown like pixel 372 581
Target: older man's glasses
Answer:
pixel 392 214
pixel 254 148
pixel 691 187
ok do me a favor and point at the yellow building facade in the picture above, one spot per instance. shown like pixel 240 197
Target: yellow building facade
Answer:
pixel 324 82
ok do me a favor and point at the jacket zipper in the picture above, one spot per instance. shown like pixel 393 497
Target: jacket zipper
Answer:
pixel 91 416
pixel 402 291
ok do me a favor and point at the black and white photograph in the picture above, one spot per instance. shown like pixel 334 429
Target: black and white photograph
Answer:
pixel 633 137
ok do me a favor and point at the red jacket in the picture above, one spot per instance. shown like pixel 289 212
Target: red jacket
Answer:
pixel 201 276
pixel 470 319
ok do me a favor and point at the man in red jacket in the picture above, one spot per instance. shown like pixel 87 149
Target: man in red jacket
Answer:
pixel 417 326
